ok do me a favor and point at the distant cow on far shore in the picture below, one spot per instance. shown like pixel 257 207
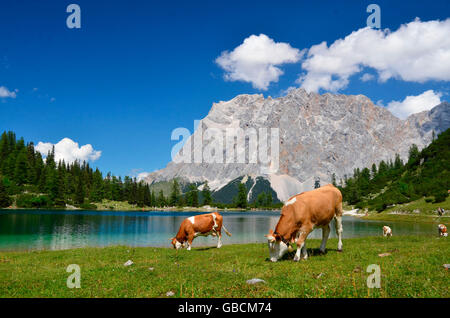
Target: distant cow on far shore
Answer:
pixel 442 230
pixel 387 231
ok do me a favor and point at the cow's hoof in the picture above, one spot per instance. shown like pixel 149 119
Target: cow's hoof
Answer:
pixel 296 259
pixel 321 252
pixel 339 251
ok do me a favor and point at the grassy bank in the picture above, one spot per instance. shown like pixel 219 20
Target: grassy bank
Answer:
pixel 415 211
pixel 414 269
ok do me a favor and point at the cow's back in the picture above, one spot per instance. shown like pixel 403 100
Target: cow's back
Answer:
pixel 318 206
pixel 204 223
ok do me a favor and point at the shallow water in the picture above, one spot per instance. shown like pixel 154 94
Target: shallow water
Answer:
pixel 56 230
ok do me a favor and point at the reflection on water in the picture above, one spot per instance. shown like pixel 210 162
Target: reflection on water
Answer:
pixel 24 230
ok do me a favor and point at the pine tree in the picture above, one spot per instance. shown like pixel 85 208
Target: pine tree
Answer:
pixel 192 196
pixel 97 193
pixel 261 199
pixel 5 199
pixel 317 183
pixel 269 200
pixel 413 154
pixel 333 179
pixel 161 199
pixel 206 192
pixel 241 200
pixel 175 194
pixel 21 168
pixel 79 195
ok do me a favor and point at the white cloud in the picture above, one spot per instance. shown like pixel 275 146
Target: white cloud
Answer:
pixel 69 151
pixel 5 92
pixel 256 59
pixel 416 52
pixel 415 104
pixel 367 77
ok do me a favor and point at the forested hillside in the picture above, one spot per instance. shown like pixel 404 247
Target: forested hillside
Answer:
pixel 425 174
pixel 34 182
pixel 27 180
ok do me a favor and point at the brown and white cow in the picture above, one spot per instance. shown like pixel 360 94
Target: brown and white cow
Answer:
pixel 442 230
pixel 300 215
pixel 387 231
pixel 199 225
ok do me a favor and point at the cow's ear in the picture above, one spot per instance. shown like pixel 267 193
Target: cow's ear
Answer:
pixel 270 237
pixel 277 237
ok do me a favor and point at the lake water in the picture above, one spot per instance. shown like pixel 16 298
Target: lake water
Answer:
pixel 55 230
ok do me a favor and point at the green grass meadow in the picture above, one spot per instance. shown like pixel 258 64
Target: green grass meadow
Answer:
pixel 414 269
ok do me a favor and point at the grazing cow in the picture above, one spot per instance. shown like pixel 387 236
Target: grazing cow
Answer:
pixel 387 231
pixel 199 225
pixel 300 215
pixel 442 230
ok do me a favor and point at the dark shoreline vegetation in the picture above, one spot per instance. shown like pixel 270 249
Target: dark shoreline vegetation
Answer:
pixel 413 267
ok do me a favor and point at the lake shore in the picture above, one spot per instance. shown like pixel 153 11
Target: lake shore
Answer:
pixel 412 267
pixel 148 209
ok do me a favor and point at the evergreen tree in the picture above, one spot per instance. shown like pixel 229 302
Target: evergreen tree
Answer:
pixel 333 180
pixel 193 196
pixel 374 170
pixel 269 200
pixel 241 200
pixel 206 192
pixel 97 193
pixel 21 168
pixel 175 194
pixel 161 199
pixel 79 195
pixel 413 154
pixel 5 199
pixel 261 199
pixel 317 183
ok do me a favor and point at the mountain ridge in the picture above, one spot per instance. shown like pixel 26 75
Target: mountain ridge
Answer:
pixel 319 135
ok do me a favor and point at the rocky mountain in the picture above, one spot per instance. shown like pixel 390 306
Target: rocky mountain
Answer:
pixel 318 135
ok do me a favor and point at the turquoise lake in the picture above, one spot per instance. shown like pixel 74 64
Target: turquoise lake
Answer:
pixel 56 230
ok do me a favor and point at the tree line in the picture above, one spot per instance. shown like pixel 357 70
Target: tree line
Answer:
pixel 30 181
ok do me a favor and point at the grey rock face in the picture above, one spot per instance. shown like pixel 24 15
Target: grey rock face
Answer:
pixel 319 135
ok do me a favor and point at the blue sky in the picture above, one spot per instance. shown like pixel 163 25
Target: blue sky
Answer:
pixel 136 70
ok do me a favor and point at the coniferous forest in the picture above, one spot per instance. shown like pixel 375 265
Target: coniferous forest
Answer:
pixel 35 182
pixel 425 174
pixel 29 180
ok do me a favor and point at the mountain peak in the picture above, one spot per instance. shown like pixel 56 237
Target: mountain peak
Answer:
pixel 318 135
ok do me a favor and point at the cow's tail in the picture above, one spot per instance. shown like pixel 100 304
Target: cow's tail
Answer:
pixel 225 229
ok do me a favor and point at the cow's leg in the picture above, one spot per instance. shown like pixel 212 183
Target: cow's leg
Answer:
pixel 190 239
pixel 301 248
pixel 338 225
pixel 219 237
pixel 304 253
pixel 325 235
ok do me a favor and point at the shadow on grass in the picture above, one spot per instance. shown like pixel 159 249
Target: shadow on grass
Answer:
pixel 200 249
pixel 289 256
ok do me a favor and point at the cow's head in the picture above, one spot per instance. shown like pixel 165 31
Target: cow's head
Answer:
pixel 277 248
pixel 177 245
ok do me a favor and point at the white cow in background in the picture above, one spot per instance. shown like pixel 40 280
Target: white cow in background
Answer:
pixel 387 231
